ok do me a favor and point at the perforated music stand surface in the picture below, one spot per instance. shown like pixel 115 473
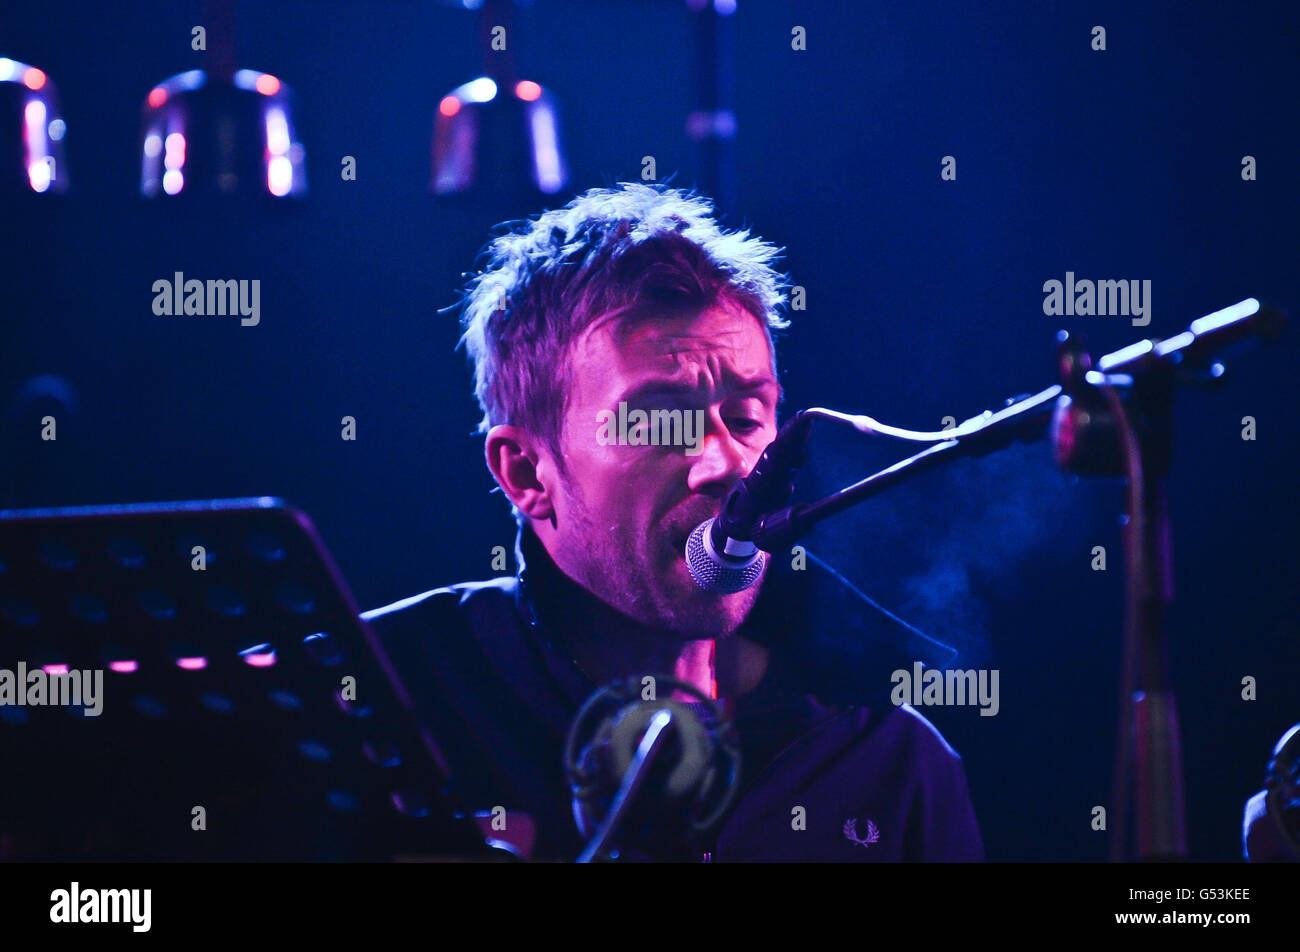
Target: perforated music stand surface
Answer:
pixel 224 686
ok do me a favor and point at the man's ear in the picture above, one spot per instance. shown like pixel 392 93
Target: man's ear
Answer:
pixel 523 470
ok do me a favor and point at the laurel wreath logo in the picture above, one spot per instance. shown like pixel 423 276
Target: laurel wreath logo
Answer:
pixel 851 833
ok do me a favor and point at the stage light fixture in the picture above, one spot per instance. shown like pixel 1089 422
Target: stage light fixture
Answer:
pixel 218 129
pixel 32 130
pixel 200 133
pixel 488 137
pixel 497 133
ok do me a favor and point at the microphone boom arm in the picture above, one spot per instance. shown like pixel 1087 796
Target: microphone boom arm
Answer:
pixel 1029 418
pixel 1024 420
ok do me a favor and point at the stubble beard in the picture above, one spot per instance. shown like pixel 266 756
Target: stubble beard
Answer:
pixel 629 574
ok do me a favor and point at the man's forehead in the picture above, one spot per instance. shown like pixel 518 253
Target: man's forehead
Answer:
pixel 728 340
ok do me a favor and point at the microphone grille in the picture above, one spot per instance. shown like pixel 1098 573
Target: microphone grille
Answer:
pixel 710 570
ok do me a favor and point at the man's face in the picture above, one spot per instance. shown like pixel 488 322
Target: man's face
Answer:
pixel 623 515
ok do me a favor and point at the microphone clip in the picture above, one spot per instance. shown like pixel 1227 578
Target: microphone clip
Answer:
pixel 769 485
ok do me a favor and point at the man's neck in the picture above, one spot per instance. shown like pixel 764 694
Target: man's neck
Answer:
pixel 722 668
pixel 608 645
pixel 696 666
pixel 607 654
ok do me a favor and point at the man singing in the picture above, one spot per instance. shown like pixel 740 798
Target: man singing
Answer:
pixel 634 296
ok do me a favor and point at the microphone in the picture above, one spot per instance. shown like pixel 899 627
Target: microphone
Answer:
pixel 720 553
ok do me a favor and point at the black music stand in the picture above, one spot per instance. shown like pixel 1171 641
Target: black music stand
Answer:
pixel 223 687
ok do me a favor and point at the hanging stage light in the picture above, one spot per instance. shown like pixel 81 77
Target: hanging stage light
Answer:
pixel 497 132
pixel 220 130
pixel 204 134
pixel 488 137
pixel 31 130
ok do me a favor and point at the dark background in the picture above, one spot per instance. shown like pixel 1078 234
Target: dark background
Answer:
pixel 924 300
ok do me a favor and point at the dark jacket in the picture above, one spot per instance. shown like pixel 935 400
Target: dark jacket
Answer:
pixel 487 668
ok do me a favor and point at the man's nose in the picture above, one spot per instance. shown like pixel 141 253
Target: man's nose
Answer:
pixel 720 463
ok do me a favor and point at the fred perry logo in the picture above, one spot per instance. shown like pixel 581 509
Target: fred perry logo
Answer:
pixel 851 833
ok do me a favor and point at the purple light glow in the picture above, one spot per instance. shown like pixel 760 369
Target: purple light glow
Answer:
pixel 279 176
pixel 259 656
pixel 546 154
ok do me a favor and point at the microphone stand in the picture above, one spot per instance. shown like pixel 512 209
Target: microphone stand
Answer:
pixel 633 778
pixel 1094 433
